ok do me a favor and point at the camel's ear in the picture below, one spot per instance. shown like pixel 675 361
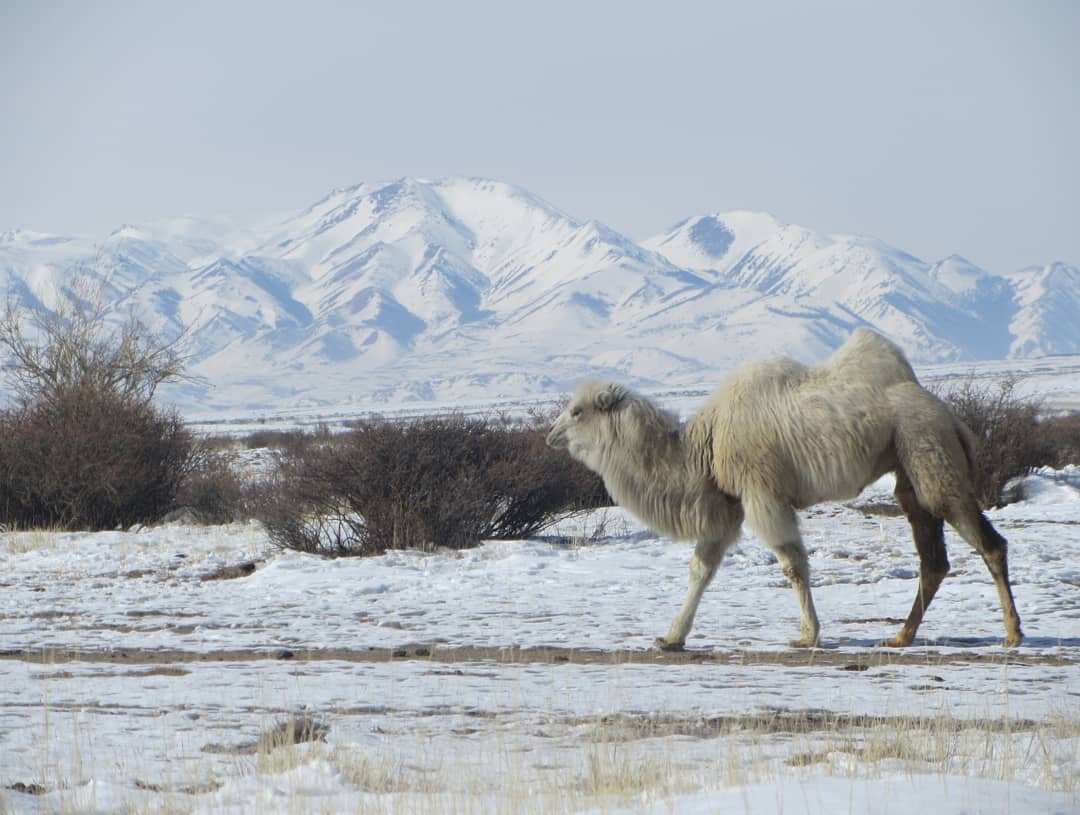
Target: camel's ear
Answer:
pixel 610 397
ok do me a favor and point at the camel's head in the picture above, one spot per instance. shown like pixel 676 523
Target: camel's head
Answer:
pixel 586 423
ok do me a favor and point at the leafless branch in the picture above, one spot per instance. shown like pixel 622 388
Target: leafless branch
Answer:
pixel 74 346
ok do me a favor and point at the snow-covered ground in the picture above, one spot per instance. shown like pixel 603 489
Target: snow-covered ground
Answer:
pixel 1053 381
pixel 141 671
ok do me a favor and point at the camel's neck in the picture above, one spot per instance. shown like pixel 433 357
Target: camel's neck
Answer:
pixel 660 475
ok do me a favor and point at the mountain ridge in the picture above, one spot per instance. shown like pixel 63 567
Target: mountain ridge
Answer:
pixel 462 287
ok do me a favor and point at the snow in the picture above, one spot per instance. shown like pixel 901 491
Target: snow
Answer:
pixel 1049 300
pixel 526 679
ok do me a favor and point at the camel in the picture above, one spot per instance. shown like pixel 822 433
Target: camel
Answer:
pixel 778 436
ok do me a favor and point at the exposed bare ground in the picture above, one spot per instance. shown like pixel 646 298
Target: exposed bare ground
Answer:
pixel 633 726
pixel 842 660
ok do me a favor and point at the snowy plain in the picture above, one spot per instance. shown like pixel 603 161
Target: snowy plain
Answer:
pixel 520 676
pixel 156 669
pixel 1054 381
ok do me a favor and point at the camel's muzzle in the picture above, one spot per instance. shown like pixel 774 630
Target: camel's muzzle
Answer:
pixel 556 438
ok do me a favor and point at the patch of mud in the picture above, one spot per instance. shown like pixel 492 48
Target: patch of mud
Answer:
pixel 963 652
pixel 28 789
pixel 161 670
pixel 182 789
pixel 231 572
pixel 625 727
pixel 297 729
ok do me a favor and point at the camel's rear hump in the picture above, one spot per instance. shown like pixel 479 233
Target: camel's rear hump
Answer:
pixel 869 358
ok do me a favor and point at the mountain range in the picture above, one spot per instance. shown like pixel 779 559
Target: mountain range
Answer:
pixel 464 289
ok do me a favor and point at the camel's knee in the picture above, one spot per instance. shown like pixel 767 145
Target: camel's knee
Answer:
pixel 793 562
pixel 796 572
pixel 992 540
pixel 994 549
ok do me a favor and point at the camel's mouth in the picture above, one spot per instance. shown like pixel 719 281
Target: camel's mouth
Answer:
pixel 556 438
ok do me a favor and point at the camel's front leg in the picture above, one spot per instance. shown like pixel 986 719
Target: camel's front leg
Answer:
pixel 707 557
pixel 796 568
pixel 776 524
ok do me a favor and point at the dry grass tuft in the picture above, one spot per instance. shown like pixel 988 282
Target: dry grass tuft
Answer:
pixel 378 774
pixel 611 772
pixel 31 540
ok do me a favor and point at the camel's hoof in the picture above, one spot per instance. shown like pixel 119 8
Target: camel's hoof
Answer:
pixel 895 642
pixel 1013 640
pixel 805 642
pixel 664 645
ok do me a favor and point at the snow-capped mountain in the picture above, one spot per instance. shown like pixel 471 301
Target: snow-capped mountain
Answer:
pixel 1047 319
pixel 473 288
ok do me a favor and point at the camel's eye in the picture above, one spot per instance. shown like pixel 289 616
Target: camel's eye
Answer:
pixel 575 413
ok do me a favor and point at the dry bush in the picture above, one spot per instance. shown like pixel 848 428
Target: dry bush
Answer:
pixel 89 459
pixel 1008 429
pixel 213 489
pixel 422 484
pixel 1060 437
pixel 289 440
pixel 83 447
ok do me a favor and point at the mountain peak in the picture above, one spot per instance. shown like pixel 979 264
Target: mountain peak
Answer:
pixel 714 243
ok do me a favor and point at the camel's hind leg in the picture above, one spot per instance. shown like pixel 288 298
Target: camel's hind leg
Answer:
pixel 776 524
pixel 928 532
pixel 703 565
pixel 978 531
pixel 932 452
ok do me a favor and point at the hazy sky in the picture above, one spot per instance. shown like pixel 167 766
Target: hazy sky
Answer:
pixel 940 127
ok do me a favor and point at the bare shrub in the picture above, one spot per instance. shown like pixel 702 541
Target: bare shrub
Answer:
pixel 291 440
pixel 1007 427
pixel 422 484
pixel 83 447
pixel 213 488
pixel 89 460
pixel 1060 437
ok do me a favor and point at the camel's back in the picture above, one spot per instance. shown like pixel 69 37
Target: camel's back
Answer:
pixel 867 362
pixel 812 433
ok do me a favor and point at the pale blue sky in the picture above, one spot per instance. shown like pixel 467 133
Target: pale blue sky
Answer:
pixel 940 127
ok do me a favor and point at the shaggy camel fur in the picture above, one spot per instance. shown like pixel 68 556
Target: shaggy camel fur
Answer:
pixel 776 437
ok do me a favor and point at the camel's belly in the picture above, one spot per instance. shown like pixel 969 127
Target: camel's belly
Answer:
pixel 840 479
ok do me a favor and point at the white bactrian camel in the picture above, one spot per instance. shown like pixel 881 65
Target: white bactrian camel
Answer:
pixel 778 436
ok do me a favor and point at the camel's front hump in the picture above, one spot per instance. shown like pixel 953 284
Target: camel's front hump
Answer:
pixel 818 440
